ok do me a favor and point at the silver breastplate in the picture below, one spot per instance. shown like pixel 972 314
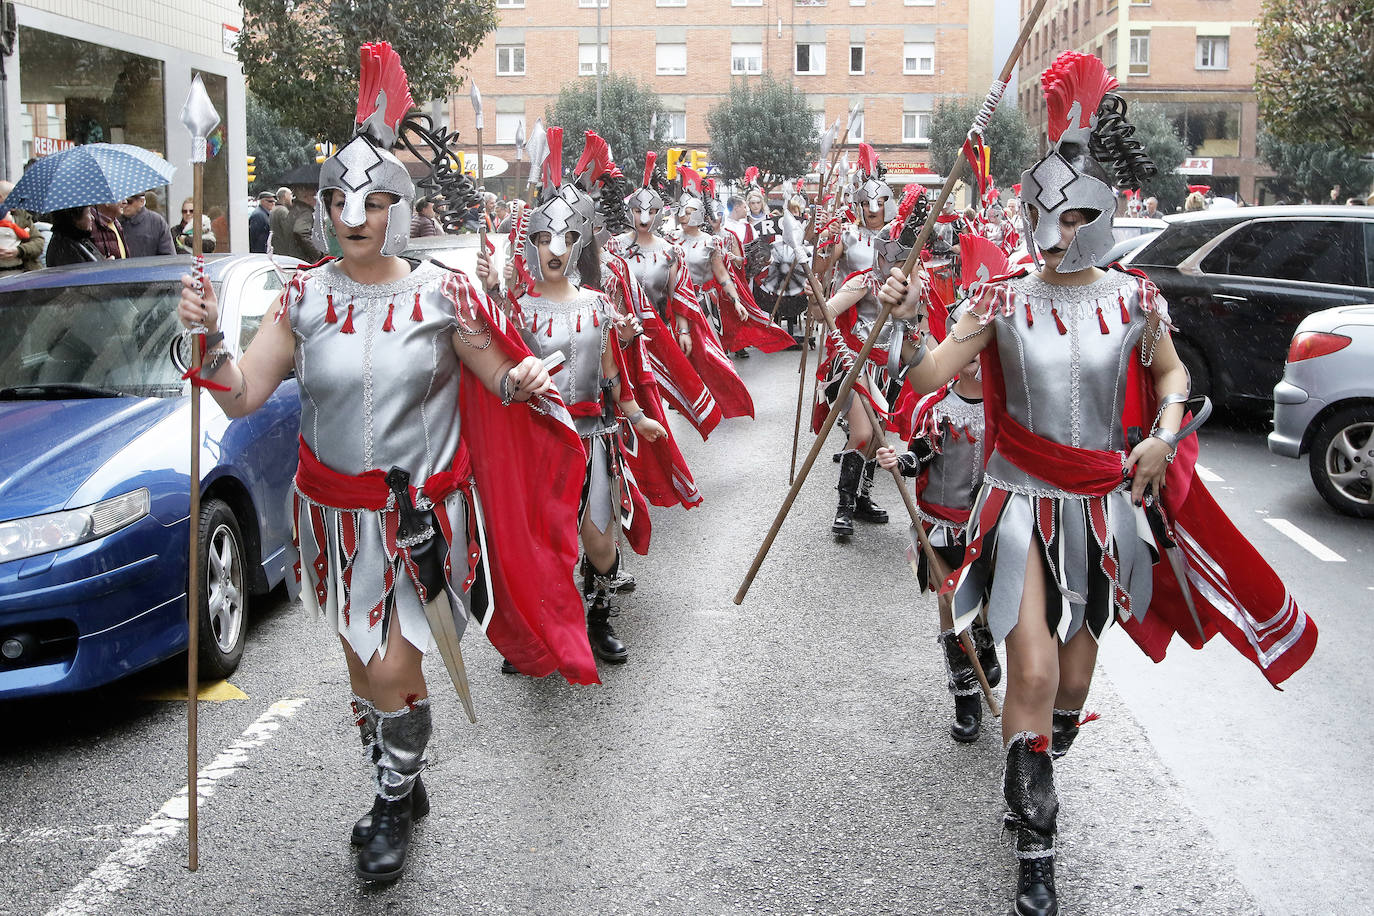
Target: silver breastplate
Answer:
pixel 652 266
pixel 698 250
pixel 1069 387
pixel 579 328
pixel 859 254
pixel 372 398
pixel 956 471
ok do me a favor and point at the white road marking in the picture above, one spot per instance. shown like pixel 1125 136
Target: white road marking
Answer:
pixel 101 886
pixel 1305 541
pixel 1208 475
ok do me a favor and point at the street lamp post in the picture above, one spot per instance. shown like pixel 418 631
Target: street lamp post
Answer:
pixel 598 62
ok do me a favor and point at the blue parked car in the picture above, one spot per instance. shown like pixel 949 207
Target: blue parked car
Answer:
pixel 95 469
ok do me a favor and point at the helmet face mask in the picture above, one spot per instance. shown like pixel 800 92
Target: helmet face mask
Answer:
pixel 692 210
pixel 875 196
pixel 647 206
pixel 1069 178
pixel 558 218
pixel 358 169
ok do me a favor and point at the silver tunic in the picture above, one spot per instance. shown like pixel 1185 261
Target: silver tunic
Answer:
pixel 580 327
pixel 699 249
pixel 859 254
pixel 1068 387
pixel 956 471
pixel 374 399
pixel 652 266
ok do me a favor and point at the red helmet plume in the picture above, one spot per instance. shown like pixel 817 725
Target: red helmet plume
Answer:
pixel 552 174
pixel 649 159
pixel 383 92
pixel 1074 78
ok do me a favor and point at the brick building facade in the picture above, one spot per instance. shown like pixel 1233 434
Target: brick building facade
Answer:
pixel 897 56
pixel 1194 58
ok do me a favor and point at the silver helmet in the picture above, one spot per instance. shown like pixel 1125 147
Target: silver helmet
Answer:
pixel 365 164
pixel 557 217
pixel 870 192
pixel 1069 177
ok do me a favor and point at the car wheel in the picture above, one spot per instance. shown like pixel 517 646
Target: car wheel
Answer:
pixel 1342 461
pixel 224 591
pixel 1199 375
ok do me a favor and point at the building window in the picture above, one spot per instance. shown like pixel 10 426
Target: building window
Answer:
pixel 670 2
pixel 918 57
pixel 746 2
pixel 676 125
pixel 856 59
pixel 590 4
pixel 1213 53
pixel 510 4
pixel 510 60
pixel 858 2
pixel 746 58
pixel 1140 54
pixel 810 2
pixel 586 60
pixel 670 60
pixel 919 2
pixel 1109 51
pixel 811 58
pixel 507 126
pixel 916 127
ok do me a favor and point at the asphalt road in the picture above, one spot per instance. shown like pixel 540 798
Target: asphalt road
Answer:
pixel 786 756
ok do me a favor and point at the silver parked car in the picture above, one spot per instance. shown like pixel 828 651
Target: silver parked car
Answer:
pixel 1324 405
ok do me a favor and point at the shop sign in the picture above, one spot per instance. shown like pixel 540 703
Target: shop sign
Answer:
pixel 230 37
pixel 907 168
pixel 1195 167
pixel 492 166
pixel 46 146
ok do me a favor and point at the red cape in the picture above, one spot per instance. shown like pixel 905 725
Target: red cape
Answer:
pixel 759 331
pixel 529 467
pixel 708 356
pixel 658 467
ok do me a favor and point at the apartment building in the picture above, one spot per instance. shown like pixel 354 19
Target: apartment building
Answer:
pixel 896 56
pixel 1194 58
pixel 118 71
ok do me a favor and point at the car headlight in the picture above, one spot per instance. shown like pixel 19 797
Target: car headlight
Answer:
pixel 27 537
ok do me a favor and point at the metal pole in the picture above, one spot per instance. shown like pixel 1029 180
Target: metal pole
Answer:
pixel 598 62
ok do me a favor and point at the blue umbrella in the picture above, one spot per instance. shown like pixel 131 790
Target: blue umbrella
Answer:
pixel 96 173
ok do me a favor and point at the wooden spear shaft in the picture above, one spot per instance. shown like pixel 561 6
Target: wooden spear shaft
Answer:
pixel 193 548
pixel 848 384
pixel 801 395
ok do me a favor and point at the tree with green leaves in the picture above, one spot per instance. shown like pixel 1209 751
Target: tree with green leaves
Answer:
pixel 1315 72
pixel 628 109
pixel 301 56
pixel 1009 140
pixel 278 149
pixel 1308 171
pixel 766 123
pixel 1156 133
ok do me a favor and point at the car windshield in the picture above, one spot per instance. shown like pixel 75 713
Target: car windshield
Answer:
pixel 97 339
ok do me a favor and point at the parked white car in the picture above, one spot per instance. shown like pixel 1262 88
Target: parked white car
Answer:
pixel 1324 405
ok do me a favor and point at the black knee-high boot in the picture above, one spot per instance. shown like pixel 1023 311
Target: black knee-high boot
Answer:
pixel 402 737
pixel 1033 808
pixel 865 510
pixel 851 475
pixel 987 652
pixel 366 716
pixel 597 588
pixel 963 686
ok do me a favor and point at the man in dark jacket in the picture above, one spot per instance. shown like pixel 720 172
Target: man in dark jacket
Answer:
pixel 145 231
pixel 291 226
pixel 260 222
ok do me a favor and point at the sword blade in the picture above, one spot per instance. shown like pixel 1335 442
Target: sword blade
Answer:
pixel 439 613
pixel 1176 562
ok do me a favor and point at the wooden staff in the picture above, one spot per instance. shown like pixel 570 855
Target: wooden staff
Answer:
pixel 989 106
pixel 200 118
pixel 937 565
pixel 801 392
pixel 476 97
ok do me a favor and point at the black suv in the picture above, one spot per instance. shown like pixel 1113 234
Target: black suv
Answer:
pixel 1239 280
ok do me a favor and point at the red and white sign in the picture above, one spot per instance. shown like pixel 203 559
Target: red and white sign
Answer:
pixel 46 146
pixel 1195 167
pixel 230 37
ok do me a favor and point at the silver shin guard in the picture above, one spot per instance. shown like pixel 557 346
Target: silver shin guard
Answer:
pixel 365 717
pixel 402 737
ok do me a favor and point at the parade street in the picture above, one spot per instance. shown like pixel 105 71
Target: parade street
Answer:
pixel 787 756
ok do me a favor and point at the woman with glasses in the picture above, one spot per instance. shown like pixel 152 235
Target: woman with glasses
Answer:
pixel 181 232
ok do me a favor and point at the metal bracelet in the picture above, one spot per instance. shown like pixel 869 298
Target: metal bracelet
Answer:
pixel 918 355
pixel 217 359
pixel 507 395
pixel 1168 437
pixel 635 417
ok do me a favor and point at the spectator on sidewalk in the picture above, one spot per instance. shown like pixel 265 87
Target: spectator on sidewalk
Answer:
pixel 145 231
pixel 291 226
pixel 423 224
pixel 71 238
pixel 260 222
pixel 181 232
pixel 21 244
pixel 106 232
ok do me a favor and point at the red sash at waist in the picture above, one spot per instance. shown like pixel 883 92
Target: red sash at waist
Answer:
pixel 368 490
pixel 1064 467
pixel 585 409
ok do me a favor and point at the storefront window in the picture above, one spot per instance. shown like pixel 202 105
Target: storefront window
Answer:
pixel 77 92
pixel 221 214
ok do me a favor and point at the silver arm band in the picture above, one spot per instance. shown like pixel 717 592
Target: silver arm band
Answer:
pixel 635 417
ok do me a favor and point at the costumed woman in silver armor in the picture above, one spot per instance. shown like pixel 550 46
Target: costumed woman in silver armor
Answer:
pixel 415 398
pixel 660 266
pixel 1070 523
pixel 945 455
pixel 702 253
pixel 788 273
pixel 557 315
pixel 853 307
